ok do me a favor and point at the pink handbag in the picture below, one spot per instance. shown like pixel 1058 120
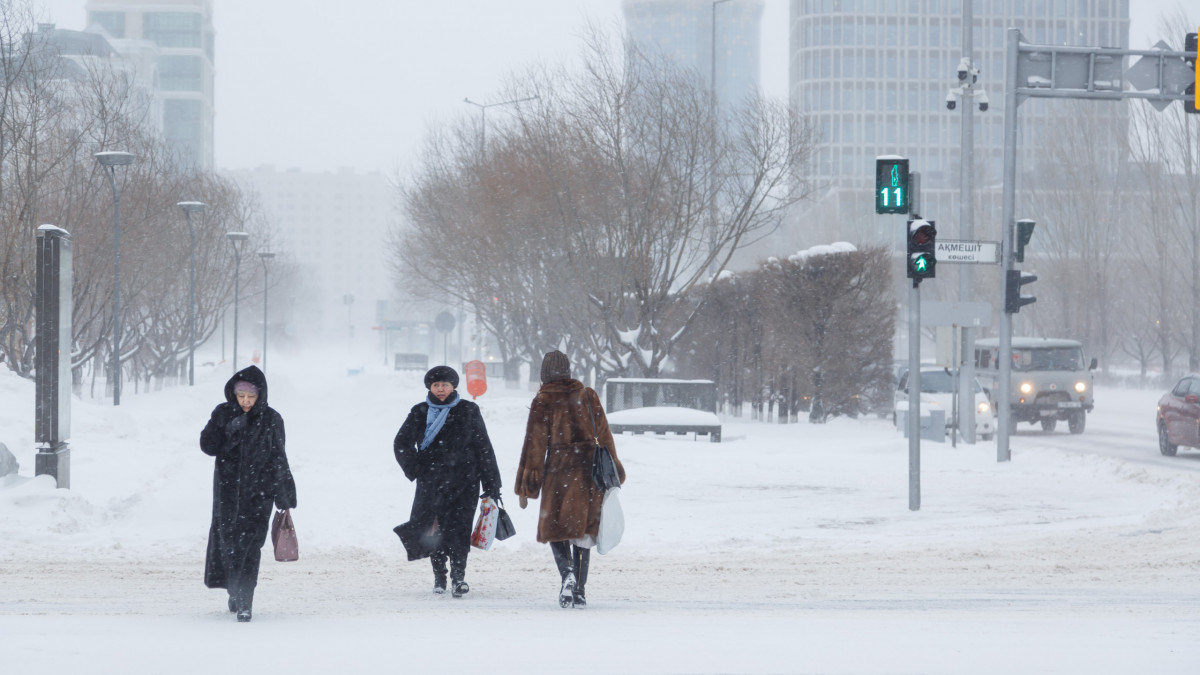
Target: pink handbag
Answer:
pixel 283 537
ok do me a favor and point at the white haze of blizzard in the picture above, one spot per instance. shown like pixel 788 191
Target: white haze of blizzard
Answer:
pixel 785 548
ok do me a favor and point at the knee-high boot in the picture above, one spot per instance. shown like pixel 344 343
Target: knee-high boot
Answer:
pixel 582 557
pixel 566 569
pixel 562 557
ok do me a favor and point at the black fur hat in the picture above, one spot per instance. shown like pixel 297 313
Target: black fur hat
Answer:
pixel 441 374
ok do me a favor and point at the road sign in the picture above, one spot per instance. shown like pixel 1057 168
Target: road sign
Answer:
pixel 967 251
pixel 1167 73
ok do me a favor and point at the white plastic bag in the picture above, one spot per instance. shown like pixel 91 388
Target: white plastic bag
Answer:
pixel 485 528
pixel 612 522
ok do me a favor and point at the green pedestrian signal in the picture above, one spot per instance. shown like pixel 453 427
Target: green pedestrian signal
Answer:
pixel 921 263
pixel 922 246
pixel 891 185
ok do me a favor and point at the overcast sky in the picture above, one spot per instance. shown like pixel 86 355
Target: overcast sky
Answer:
pixel 319 85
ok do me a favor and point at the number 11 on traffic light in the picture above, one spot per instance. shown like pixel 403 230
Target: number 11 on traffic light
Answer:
pixel 891 185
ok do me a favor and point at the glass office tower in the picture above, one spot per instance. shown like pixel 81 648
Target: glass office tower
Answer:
pixel 875 74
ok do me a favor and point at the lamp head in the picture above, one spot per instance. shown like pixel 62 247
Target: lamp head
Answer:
pixel 266 255
pixel 191 207
pixel 114 158
pixel 237 239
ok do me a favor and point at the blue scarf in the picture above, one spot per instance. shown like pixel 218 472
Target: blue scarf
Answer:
pixel 436 417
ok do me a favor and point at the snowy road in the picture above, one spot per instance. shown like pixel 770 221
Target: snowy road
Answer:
pixel 784 549
pixel 1121 426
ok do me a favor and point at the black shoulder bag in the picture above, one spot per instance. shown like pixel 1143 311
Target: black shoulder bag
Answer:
pixel 604 470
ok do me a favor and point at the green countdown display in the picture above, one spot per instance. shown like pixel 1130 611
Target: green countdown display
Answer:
pixel 891 185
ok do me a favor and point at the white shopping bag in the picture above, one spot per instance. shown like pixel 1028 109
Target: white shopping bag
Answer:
pixel 612 522
pixel 485 528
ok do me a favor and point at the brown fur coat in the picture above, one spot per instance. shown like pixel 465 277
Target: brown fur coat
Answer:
pixel 557 460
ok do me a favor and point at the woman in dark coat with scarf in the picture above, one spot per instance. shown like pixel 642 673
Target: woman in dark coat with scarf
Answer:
pixel 252 473
pixel 443 445
pixel 566 421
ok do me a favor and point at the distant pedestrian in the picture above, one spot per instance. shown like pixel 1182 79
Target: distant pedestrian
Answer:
pixel 251 473
pixel 566 421
pixel 443 445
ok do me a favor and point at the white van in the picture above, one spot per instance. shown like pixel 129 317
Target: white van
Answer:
pixel 1050 381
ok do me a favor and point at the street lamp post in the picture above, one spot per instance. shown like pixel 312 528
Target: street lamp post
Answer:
pixel 712 77
pixel 111 160
pixel 712 103
pixel 266 257
pixel 236 239
pixel 483 115
pixel 188 209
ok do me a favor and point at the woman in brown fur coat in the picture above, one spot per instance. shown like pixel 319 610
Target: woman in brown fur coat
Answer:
pixel 566 421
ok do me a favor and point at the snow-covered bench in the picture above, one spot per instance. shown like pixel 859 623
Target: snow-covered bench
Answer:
pixel 666 420
pixel 659 405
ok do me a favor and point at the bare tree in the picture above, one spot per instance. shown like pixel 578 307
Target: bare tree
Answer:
pixel 584 222
pixel 55 113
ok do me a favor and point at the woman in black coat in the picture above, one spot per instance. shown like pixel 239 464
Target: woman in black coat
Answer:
pixel 443 445
pixel 246 436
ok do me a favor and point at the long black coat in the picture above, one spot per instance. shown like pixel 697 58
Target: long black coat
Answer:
pixel 251 474
pixel 449 473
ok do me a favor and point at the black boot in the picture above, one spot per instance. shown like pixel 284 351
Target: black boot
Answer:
pixel 458 572
pixel 243 601
pixel 439 572
pixel 582 557
pixel 566 570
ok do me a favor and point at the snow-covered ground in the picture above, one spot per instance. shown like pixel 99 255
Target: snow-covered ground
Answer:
pixel 782 549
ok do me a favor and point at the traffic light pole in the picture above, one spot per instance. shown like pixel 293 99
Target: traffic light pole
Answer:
pixel 914 396
pixel 1004 395
pixel 965 363
pixel 1008 217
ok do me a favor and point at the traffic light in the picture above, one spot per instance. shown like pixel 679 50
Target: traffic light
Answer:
pixel 1192 104
pixel 922 260
pixel 891 185
pixel 1013 281
pixel 1024 234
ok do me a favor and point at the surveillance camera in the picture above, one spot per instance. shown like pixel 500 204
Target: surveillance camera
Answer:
pixel 964 68
pixel 983 101
pixel 951 101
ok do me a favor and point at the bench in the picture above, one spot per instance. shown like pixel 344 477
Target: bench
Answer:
pixel 662 406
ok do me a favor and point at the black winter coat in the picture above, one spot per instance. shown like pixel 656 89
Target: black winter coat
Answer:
pixel 449 472
pixel 250 475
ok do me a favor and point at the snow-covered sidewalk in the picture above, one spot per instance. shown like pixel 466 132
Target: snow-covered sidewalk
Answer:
pixel 785 548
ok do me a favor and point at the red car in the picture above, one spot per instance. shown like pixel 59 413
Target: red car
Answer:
pixel 1179 416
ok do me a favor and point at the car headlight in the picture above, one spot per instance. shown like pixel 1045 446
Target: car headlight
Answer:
pixel 983 407
pixel 1080 387
pixel 1026 387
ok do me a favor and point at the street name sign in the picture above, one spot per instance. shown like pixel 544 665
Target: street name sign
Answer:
pixel 967 251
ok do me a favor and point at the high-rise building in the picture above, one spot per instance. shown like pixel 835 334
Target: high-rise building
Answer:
pixel 182 31
pixel 874 75
pixel 683 31
pixel 332 229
